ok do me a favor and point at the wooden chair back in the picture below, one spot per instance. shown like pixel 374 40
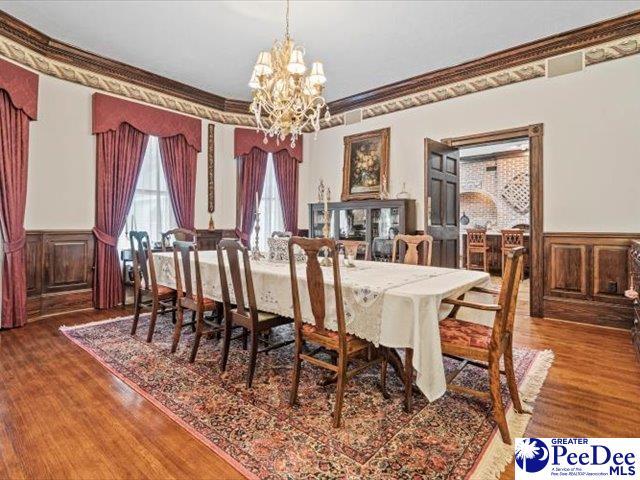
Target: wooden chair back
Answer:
pixel 412 242
pixel 315 285
pixel 508 296
pixel 179 234
pixel 352 247
pixel 476 237
pixel 234 251
pixel 184 278
pixel 144 273
pixel 512 237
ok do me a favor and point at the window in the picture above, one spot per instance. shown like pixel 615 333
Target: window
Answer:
pixel 270 208
pixel 151 209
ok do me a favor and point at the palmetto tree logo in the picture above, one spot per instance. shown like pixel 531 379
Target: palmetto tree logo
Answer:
pixel 532 455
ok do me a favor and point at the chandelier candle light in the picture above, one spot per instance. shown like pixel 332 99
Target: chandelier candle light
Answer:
pixel 285 99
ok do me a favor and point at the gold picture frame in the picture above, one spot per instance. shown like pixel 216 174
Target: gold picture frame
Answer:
pixel 211 166
pixel 365 171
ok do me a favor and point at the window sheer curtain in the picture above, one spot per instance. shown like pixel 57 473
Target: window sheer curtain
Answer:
pixel 271 212
pixel 151 209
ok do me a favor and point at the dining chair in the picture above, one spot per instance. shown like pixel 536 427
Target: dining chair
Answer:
pixel 190 298
pixel 353 247
pixel 238 314
pixel 147 293
pixel 179 234
pixel 412 242
pixel 346 346
pixel 279 234
pixel 511 238
pixel 477 245
pixel 484 346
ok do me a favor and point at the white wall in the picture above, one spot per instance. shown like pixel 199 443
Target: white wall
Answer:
pixel 591 143
pixel 61 178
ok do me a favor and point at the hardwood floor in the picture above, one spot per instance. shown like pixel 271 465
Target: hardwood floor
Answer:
pixel 63 415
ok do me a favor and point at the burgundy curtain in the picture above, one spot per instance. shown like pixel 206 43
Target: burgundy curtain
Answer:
pixel 119 155
pixel 252 169
pixel 179 160
pixel 14 148
pixel 286 169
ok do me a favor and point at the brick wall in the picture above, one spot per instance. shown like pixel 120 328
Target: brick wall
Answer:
pixel 494 198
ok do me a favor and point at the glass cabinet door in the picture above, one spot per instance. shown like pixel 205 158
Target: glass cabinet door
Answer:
pixel 353 224
pixel 385 222
pixel 318 223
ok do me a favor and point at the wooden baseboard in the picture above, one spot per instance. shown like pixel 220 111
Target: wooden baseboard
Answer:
pixel 594 313
pixel 50 304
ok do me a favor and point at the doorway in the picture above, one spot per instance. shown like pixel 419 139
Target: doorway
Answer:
pixel 442 168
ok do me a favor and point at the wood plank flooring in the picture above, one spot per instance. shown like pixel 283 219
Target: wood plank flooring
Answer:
pixel 63 415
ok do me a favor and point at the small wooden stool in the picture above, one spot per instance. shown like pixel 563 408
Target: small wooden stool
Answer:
pixel 511 238
pixel 477 244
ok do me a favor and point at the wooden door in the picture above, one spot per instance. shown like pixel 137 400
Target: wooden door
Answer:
pixel 442 202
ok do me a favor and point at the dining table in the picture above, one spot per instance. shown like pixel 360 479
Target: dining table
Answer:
pixel 390 304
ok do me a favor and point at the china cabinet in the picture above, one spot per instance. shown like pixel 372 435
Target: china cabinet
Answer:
pixel 365 220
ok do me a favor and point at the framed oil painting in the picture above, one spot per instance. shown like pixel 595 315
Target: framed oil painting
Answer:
pixel 365 173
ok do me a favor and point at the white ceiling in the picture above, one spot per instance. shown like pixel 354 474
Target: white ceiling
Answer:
pixel 363 44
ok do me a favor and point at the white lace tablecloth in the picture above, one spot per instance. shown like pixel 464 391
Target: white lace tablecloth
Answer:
pixel 390 304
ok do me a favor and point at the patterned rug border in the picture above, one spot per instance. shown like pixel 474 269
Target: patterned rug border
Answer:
pixel 492 461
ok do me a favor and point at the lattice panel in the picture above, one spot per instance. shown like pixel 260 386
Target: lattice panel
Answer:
pixel 516 192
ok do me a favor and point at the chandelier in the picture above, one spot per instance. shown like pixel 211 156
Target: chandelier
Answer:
pixel 287 100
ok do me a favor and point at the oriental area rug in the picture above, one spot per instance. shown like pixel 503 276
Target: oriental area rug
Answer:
pixel 259 434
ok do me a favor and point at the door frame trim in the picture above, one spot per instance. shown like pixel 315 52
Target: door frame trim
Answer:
pixel 535 133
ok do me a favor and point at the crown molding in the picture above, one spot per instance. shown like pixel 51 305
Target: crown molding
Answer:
pixel 47 47
pixel 602 41
pixel 528 53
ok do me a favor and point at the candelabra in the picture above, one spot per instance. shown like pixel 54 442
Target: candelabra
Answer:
pixel 255 250
pixel 326 231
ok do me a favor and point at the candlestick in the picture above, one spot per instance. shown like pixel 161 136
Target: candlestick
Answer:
pixel 326 231
pixel 255 250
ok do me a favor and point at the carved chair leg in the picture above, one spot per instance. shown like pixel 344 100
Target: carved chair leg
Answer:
pixel 196 340
pixel 297 365
pixel 408 379
pixel 193 320
pixel 511 378
pixel 152 321
pixel 342 380
pixel 252 357
pixel 177 330
pixel 173 314
pixel 136 312
pixel 383 371
pixel 225 346
pixel 496 399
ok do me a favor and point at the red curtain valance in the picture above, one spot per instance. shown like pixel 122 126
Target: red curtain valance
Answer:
pixel 246 139
pixel 22 87
pixel 110 112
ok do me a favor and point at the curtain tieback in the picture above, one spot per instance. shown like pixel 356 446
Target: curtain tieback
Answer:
pixel 104 238
pixel 15 245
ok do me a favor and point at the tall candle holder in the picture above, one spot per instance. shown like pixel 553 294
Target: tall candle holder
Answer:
pixel 326 231
pixel 255 250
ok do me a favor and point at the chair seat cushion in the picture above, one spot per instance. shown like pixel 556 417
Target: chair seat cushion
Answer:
pixel 464 334
pixel 262 316
pixel 165 291
pixel 308 329
pixel 208 303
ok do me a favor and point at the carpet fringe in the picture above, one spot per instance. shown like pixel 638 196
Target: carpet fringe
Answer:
pixel 497 454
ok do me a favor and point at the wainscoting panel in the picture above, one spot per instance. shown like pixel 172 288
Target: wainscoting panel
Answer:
pixel 59 271
pixel 586 275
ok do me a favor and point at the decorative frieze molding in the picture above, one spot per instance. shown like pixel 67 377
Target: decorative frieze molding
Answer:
pixel 71 73
pixel 609 51
pixel 601 42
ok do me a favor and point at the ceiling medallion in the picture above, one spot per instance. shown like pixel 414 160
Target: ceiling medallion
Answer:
pixel 286 100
